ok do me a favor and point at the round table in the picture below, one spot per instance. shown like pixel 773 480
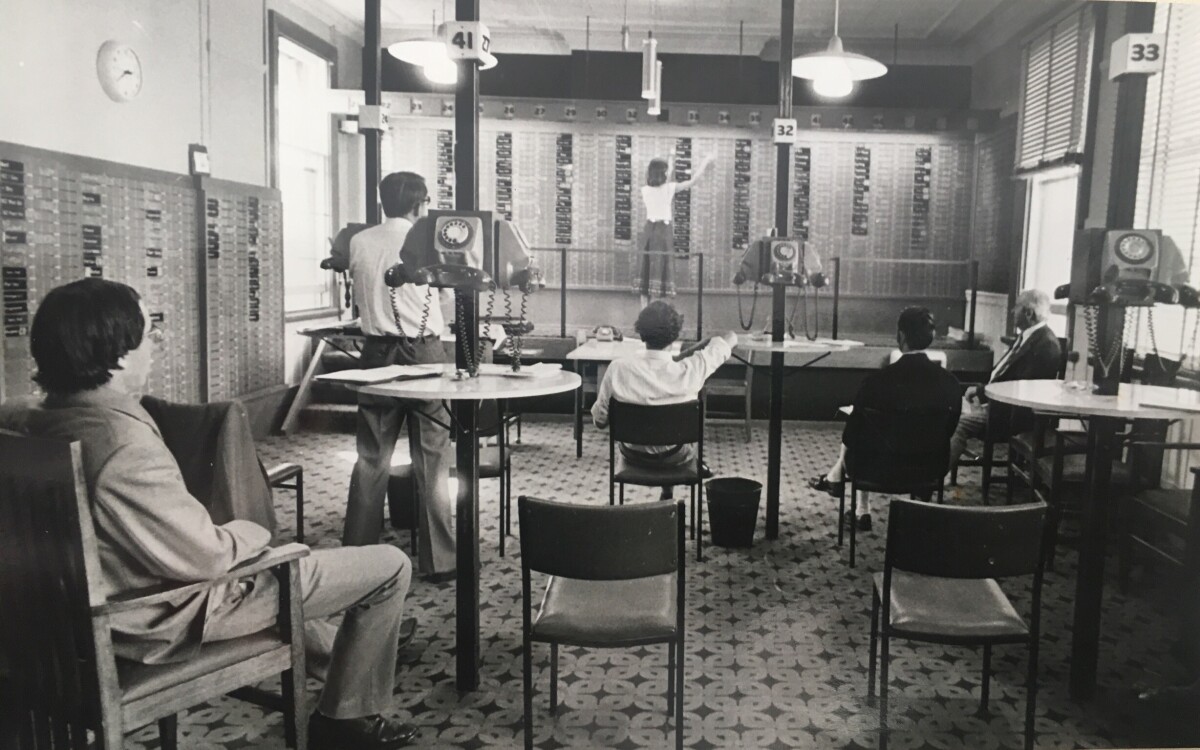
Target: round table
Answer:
pixel 1104 416
pixel 472 390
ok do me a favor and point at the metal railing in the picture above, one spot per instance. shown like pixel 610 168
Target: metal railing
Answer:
pixel 563 256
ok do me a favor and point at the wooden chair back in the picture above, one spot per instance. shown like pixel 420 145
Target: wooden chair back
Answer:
pixel 60 667
pixel 600 543
pixel 917 439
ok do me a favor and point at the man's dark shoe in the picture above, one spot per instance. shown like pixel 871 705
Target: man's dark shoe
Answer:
pixel 864 522
pixel 366 733
pixel 408 631
pixel 821 483
pixel 705 472
pixel 445 576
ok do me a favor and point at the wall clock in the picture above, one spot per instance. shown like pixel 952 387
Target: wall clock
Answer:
pixel 119 71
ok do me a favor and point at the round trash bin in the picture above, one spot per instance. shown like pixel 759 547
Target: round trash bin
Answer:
pixel 733 510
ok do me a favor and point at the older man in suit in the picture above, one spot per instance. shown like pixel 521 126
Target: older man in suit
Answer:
pixel 1035 355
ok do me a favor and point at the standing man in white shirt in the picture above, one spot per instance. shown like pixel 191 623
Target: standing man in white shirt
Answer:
pixel 1035 355
pixel 402 326
pixel 654 377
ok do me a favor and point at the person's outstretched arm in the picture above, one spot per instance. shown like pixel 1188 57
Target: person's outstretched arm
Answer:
pixel 685 184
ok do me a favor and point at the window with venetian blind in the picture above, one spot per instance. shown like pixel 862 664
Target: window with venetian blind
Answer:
pixel 1054 92
pixel 1168 194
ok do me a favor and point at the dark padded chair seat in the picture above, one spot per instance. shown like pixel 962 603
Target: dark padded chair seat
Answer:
pixel 1074 466
pixel 953 607
pixel 489 462
pixel 600 613
pixel 1174 504
pixel 657 477
pixel 139 680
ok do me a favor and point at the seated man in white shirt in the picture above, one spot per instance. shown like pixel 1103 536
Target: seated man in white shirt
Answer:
pixel 655 377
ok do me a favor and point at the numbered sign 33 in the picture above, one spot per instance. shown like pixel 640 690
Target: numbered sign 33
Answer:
pixel 1135 54
pixel 784 130
pixel 467 40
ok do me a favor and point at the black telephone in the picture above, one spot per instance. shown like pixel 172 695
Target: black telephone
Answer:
pixel 607 333
pixel 780 260
pixel 1188 296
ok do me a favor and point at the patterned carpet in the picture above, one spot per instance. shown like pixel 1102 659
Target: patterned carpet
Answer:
pixel 777 649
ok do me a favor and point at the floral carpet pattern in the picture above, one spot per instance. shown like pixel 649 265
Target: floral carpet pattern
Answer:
pixel 777 634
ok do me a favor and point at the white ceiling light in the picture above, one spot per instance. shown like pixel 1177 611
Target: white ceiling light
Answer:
pixel 832 69
pixel 649 65
pixel 432 56
pixel 655 108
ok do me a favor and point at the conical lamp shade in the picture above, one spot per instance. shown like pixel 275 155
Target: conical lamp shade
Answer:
pixel 836 62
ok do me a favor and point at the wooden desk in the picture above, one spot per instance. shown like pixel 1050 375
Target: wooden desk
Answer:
pixel 1104 416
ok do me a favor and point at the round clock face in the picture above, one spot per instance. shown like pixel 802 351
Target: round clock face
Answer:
pixel 1134 248
pixel 785 251
pixel 119 71
pixel 455 234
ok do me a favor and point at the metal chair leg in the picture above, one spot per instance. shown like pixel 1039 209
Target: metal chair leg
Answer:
pixel 527 658
pixel 874 645
pixel 883 683
pixel 300 507
pixel 168 732
pixel 553 678
pixel 670 678
pixel 987 679
pixel 853 522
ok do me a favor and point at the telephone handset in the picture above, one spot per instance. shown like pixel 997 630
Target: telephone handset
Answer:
pixel 1133 293
pixel 453 276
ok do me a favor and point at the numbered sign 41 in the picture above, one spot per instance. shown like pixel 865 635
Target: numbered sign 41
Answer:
pixel 467 40
pixel 1137 54
pixel 783 130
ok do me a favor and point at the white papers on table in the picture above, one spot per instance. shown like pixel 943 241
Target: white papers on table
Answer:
pixel 382 374
pixel 539 370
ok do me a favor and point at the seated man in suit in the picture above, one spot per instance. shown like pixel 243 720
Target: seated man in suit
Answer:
pixel 911 382
pixel 654 377
pixel 1035 355
pixel 93 343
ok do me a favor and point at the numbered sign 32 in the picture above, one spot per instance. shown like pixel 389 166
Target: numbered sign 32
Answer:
pixel 784 130
pixel 467 40
pixel 1135 54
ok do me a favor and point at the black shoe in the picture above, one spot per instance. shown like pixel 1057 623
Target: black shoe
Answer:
pixel 439 578
pixel 373 732
pixel 821 483
pixel 705 472
pixel 408 631
pixel 864 522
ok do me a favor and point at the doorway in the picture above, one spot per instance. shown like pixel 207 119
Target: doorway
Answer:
pixel 1050 236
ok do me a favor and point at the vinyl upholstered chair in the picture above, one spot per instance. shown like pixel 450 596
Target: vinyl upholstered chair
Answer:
pixel 664 425
pixel 56 644
pixel 938 585
pixel 617 580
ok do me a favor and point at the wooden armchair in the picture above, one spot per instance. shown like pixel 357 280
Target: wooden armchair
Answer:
pixel 61 677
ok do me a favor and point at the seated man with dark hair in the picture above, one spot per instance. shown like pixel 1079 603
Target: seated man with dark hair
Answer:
pixel 912 382
pixel 654 377
pixel 93 342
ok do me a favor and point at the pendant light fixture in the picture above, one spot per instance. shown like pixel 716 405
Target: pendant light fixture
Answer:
pixel 649 65
pixel 655 108
pixel 834 71
pixel 430 54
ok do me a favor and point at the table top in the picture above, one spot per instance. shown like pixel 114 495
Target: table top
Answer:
pixel 753 344
pixel 475 389
pixel 606 351
pixel 1132 400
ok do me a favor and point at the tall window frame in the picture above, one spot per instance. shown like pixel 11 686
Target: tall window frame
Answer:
pixel 303 167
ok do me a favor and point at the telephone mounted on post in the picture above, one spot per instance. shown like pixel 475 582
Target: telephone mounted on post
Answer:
pixel 781 261
pixel 465 251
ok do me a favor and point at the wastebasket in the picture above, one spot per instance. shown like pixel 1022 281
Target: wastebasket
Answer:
pixel 733 510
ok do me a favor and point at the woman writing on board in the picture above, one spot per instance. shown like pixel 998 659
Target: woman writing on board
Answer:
pixel 654 274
